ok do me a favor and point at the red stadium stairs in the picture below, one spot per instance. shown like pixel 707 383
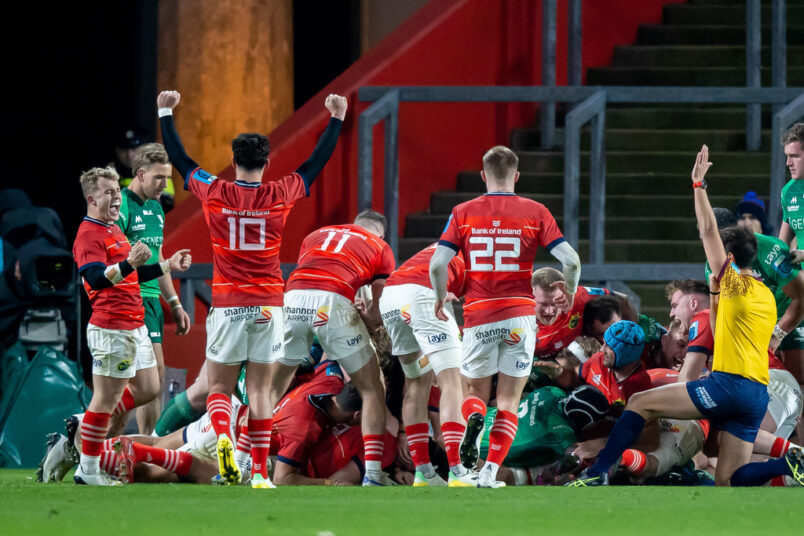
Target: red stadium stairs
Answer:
pixel 650 149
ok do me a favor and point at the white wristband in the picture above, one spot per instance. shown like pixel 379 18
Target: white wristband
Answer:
pixel 165 266
pixel 779 332
pixel 162 112
pixel 172 299
pixel 113 273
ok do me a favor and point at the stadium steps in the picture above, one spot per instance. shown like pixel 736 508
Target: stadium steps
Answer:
pixel 650 148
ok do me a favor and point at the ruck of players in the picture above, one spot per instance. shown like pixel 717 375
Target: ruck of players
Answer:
pixel 467 365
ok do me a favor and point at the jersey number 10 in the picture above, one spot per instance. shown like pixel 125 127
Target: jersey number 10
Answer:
pixel 239 224
pixel 489 246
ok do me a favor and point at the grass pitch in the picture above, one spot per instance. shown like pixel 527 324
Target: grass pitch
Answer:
pixel 27 507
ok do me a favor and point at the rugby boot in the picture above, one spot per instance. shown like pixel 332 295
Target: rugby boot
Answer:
pixel 470 444
pixel 98 479
pixel 462 479
pixel 377 478
pixel 584 480
pixel 226 461
pixel 421 481
pixel 260 482
pixel 485 480
pixel 58 460
pixel 795 461
pixel 124 448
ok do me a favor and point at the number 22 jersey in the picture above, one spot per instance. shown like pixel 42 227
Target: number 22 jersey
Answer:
pixel 499 234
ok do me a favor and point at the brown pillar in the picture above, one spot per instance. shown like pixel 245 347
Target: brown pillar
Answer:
pixel 232 62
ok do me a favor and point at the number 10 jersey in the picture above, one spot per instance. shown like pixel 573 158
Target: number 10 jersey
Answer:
pixel 499 234
pixel 245 223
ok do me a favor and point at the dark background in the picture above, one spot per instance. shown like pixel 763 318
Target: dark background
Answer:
pixel 80 72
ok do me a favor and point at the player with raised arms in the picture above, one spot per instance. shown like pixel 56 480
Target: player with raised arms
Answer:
pixel 111 269
pixel 498 234
pixel 245 219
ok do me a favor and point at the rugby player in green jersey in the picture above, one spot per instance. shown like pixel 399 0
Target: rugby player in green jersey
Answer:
pixel 142 219
pixel 792 233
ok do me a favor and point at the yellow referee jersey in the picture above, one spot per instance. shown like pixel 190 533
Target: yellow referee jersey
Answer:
pixel 746 316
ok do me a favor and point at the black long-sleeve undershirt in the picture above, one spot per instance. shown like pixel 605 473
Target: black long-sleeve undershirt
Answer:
pixel 311 167
pixel 309 170
pixel 95 276
pixel 175 149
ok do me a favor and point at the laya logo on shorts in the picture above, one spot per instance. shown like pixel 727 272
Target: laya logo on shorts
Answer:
pixel 276 347
pixel 125 364
pixel 266 315
pixel 693 330
pixel 515 337
pixel 405 312
pixel 573 322
pixel 522 365
pixel 435 339
pixel 354 340
pixel 322 316
pixel 97 363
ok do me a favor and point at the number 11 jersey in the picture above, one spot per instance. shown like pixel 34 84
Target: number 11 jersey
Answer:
pixel 245 223
pixel 499 234
pixel 341 259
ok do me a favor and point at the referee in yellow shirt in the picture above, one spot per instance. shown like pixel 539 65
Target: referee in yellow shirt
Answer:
pixel 734 396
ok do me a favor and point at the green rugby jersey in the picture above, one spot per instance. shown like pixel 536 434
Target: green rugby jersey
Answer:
pixel 793 208
pixel 774 267
pixel 143 220
pixel 543 432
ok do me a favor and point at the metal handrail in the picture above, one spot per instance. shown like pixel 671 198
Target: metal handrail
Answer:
pixel 594 109
pixel 391 96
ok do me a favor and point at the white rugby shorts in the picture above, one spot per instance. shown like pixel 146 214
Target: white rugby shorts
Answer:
pixel 785 401
pixel 250 333
pixel 119 353
pixel 505 346
pixel 334 320
pixel 679 441
pixel 409 317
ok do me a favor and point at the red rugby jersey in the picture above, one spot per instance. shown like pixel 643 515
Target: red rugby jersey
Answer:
pixel 245 223
pixel 416 271
pixel 341 259
pixel 567 326
pixel 340 445
pixel 300 419
pixel 499 234
pixel 102 244
pixel 595 373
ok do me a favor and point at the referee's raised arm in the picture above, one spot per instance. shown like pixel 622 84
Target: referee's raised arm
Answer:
pixel 165 102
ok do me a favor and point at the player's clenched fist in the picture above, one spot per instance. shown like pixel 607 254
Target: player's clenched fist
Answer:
pixel 336 106
pixel 139 254
pixel 180 261
pixel 168 99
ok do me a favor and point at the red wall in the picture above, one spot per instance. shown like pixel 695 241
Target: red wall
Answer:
pixel 448 42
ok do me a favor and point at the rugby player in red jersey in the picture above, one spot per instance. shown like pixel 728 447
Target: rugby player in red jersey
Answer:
pixel 111 270
pixel 334 262
pixel 245 220
pixel 427 347
pixel 557 324
pixel 498 234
